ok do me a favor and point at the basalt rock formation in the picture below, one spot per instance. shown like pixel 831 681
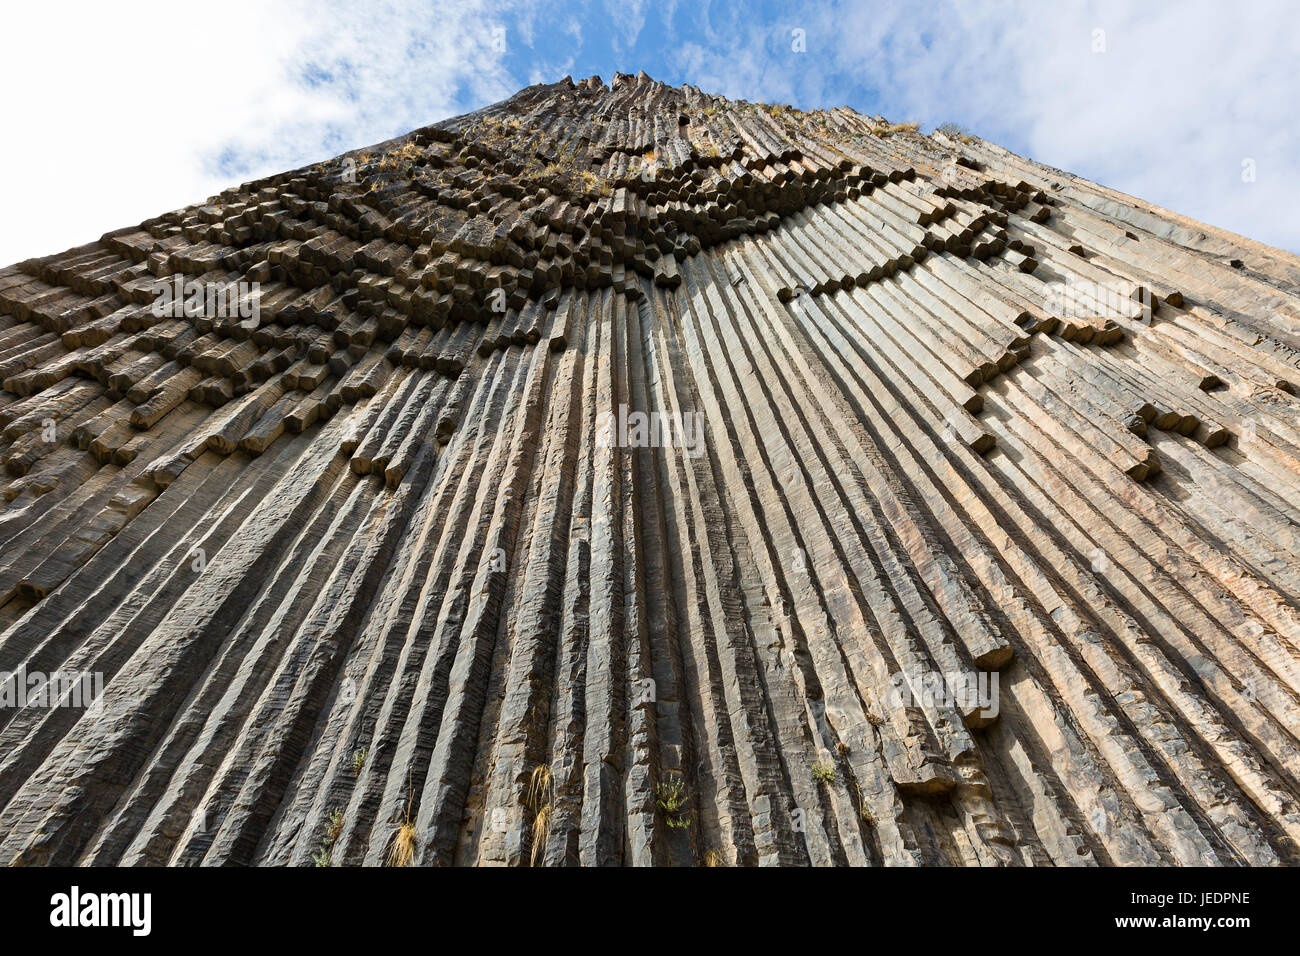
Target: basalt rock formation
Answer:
pixel 626 475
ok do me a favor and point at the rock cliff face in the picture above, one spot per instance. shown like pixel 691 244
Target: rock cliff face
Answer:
pixel 624 475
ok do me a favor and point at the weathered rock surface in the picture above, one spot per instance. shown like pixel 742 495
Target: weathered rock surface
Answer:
pixel 377 573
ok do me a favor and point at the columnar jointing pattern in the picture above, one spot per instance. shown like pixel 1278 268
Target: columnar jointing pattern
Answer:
pixel 353 575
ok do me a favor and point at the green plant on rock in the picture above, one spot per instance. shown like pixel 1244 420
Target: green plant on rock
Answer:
pixel 359 760
pixel 672 800
pixel 824 772
pixel 333 827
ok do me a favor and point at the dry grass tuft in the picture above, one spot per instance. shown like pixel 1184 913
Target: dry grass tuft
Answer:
pixel 538 799
pixel 403 849
pixel 541 831
pixel 889 128
pixel 538 791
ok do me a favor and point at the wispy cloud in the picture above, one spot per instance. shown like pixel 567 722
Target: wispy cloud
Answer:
pixel 127 118
pixel 627 18
pixel 110 120
pixel 1161 100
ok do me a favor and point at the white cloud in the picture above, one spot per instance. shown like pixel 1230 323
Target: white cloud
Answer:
pixel 110 120
pixel 628 17
pixel 550 72
pixel 1182 94
pixel 573 27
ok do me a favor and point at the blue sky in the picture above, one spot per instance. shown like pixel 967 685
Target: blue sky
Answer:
pixel 112 118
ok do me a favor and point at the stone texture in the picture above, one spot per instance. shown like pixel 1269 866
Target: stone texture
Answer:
pixel 371 572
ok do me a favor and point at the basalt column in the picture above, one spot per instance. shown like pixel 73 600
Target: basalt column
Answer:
pixel 626 475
